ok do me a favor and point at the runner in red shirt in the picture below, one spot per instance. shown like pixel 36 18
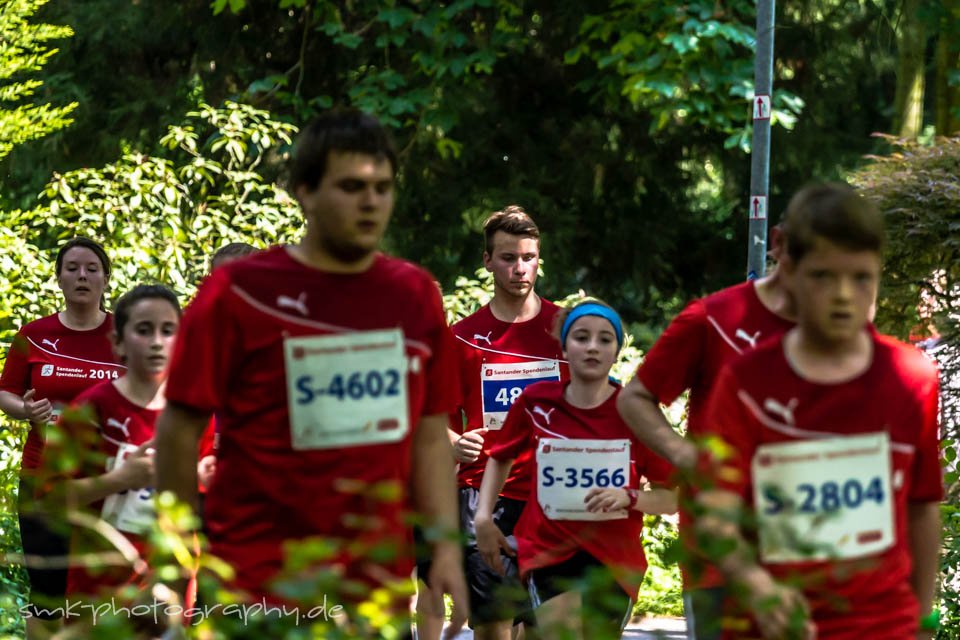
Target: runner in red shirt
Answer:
pixel 50 362
pixel 689 355
pixel 117 419
pixel 332 371
pixel 586 513
pixel 505 346
pixel 835 445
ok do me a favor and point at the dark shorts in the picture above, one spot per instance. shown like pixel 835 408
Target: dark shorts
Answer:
pixel 45 536
pixel 493 598
pixel 606 606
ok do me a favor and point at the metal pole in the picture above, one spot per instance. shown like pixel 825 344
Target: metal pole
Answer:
pixel 761 105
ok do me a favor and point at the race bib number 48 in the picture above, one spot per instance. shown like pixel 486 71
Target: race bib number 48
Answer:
pixel 824 499
pixel 568 469
pixel 347 389
pixel 501 384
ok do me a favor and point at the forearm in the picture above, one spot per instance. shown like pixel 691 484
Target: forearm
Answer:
pixel 494 477
pixel 176 441
pixel 12 405
pixel 657 501
pixel 641 411
pixel 84 491
pixel 924 532
pixel 434 484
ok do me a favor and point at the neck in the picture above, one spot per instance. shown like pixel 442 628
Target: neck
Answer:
pixel 507 308
pixel 312 253
pixel 146 392
pixel 826 361
pixel 587 394
pixel 82 316
pixel 774 296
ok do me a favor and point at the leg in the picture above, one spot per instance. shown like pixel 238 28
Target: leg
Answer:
pixel 430 617
pixel 557 612
pixel 703 609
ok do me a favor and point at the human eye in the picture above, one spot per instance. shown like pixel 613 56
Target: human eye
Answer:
pixel 143 328
pixel 169 329
pixel 384 187
pixel 351 185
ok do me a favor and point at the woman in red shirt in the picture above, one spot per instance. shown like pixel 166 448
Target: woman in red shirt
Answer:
pixel 578 538
pixel 50 362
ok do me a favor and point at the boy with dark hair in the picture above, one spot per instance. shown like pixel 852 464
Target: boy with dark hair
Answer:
pixel 231 251
pixel 834 446
pixel 333 390
pixel 502 348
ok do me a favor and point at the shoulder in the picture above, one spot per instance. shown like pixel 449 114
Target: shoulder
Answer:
pixel 476 320
pixel 736 294
pixel 102 393
pixel 544 391
pixel 44 325
pixel 405 273
pixel 905 360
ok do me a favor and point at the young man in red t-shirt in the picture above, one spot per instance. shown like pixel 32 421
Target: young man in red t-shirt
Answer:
pixel 689 355
pixel 502 348
pixel 332 373
pixel 834 447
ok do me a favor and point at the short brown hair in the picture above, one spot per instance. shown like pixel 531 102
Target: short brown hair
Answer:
pixel 513 220
pixel 230 252
pixel 834 212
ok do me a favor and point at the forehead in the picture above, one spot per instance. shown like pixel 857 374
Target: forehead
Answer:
pixel 593 324
pixel 353 164
pixel 81 255
pixel 152 310
pixel 825 253
pixel 504 242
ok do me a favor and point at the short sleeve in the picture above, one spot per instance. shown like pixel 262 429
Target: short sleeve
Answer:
pixel 927 481
pixel 672 364
pixel 515 437
pixel 16 368
pixel 443 373
pixel 729 420
pixel 653 467
pixel 206 344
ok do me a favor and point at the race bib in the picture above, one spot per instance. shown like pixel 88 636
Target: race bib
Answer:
pixel 827 499
pixel 130 511
pixel 501 384
pixel 568 469
pixel 347 389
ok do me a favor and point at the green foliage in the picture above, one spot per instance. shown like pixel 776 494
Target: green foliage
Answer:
pixel 23 52
pixel 918 189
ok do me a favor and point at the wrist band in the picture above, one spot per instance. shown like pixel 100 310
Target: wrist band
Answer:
pixel 931 621
pixel 634 495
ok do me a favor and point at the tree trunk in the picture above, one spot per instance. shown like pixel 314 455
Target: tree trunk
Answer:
pixel 948 61
pixel 911 45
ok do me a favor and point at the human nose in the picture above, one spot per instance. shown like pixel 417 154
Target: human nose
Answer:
pixel 845 287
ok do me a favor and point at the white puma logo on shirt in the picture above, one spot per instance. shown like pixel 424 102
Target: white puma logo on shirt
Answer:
pixel 477 337
pixel 545 414
pixel 300 304
pixel 774 406
pixel 123 426
pixel 53 345
pixel 746 337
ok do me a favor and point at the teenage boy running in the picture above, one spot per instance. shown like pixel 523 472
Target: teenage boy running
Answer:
pixel 502 348
pixel 835 450
pixel 332 371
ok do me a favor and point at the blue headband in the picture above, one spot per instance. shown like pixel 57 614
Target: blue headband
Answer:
pixel 592 309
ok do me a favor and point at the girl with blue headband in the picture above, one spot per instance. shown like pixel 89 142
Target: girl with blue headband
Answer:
pixel 578 538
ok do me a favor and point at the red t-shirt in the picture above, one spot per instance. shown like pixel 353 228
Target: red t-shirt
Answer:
pixel 760 399
pixel 542 412
pixel 117 422
pixel 484 340
pixel 230 359
pixel 59 363
pixel 690 354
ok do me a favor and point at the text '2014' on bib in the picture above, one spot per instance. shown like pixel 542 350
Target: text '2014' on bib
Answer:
pixel 502 383
pixel 130 511
pixel 568 469
pixel 347 389
pixel 825 499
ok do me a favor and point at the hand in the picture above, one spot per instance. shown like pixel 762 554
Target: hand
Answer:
pixel 36 410
pixel 205 470
pixel 604 500
pixel 490 541
pixel 469 446
pixel 446 576
pixel 780 612
pixel 136 470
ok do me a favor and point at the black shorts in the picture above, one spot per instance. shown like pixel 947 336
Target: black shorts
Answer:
pixel 606 606
pixel 493 598
pixel 46 536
